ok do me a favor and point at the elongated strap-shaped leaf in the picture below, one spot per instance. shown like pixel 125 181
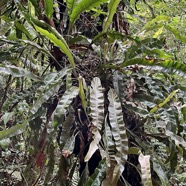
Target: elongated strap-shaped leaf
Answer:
pixel 51 163
pixel 82 93
pixel 6 117
pixel 111 178
pixel 176 33
pixel 97 103
pixel 13 131
pixel 119 86
pixel 50 33
pixel 41 49
pixel 145 169
pixel 167 64
pixel 48 7
pixel 160 172
pixel 94 144
pixel 35 3
pixel 178 139
pixel 118 128
pixel 97 113
pixel 157 22
pixel 66 126
pixel 50 89
pixel 57 42
pixel 112 6
pixel 110 145
pixel 71 4
pixel 23 29
pixel 28 42
pixel 153 110
pixel 18 72
pixel 111 37
pixel 63 104
pixel 98 176
pixel 44 96
pixel 83 5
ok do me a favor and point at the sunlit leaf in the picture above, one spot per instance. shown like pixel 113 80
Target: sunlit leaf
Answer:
pixel 112 6
pixel 35 3
pixel 167 63
pixel 57 42
pixel 23 29
pixel 71 4
pixel 176 33
pixel 156 22
pixel 82 93
pixel 82 6
pixel 48 7
pixel 158 33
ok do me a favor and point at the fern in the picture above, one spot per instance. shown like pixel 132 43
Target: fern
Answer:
pixel 97 113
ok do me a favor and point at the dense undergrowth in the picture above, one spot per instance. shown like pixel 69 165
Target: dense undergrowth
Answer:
pixel 92 92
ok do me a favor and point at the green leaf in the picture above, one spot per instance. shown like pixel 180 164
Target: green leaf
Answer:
pixel 71 4
pixel 18 72
pixel 23 29
pixel 66 129
pixel 69 144
pixel 118 129
pixel 48 7
pixel 172 150
pixel 57 39
pixel 82 93
pixel 176 33
pixel 160 172
pixel 156 22
pixel 98 176
pixel 109 144
pixel 178 139
pixel 112 6
pixel 134 150
pixel 167 64
pixel 153 110
pixel 83 5
pixel 7 116
pixel 158 33
pixel 13 131
pixel 111 37
pixel 145 169
pixel 63 104
pixel 38 47
pixel 35 3
pixel 51 87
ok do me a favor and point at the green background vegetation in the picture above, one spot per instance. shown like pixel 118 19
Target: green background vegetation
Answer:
pixel 92 92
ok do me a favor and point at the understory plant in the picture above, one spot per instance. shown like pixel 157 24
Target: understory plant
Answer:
pixel 91 93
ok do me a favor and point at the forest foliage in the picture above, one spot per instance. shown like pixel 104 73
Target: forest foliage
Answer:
pixel 92 92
